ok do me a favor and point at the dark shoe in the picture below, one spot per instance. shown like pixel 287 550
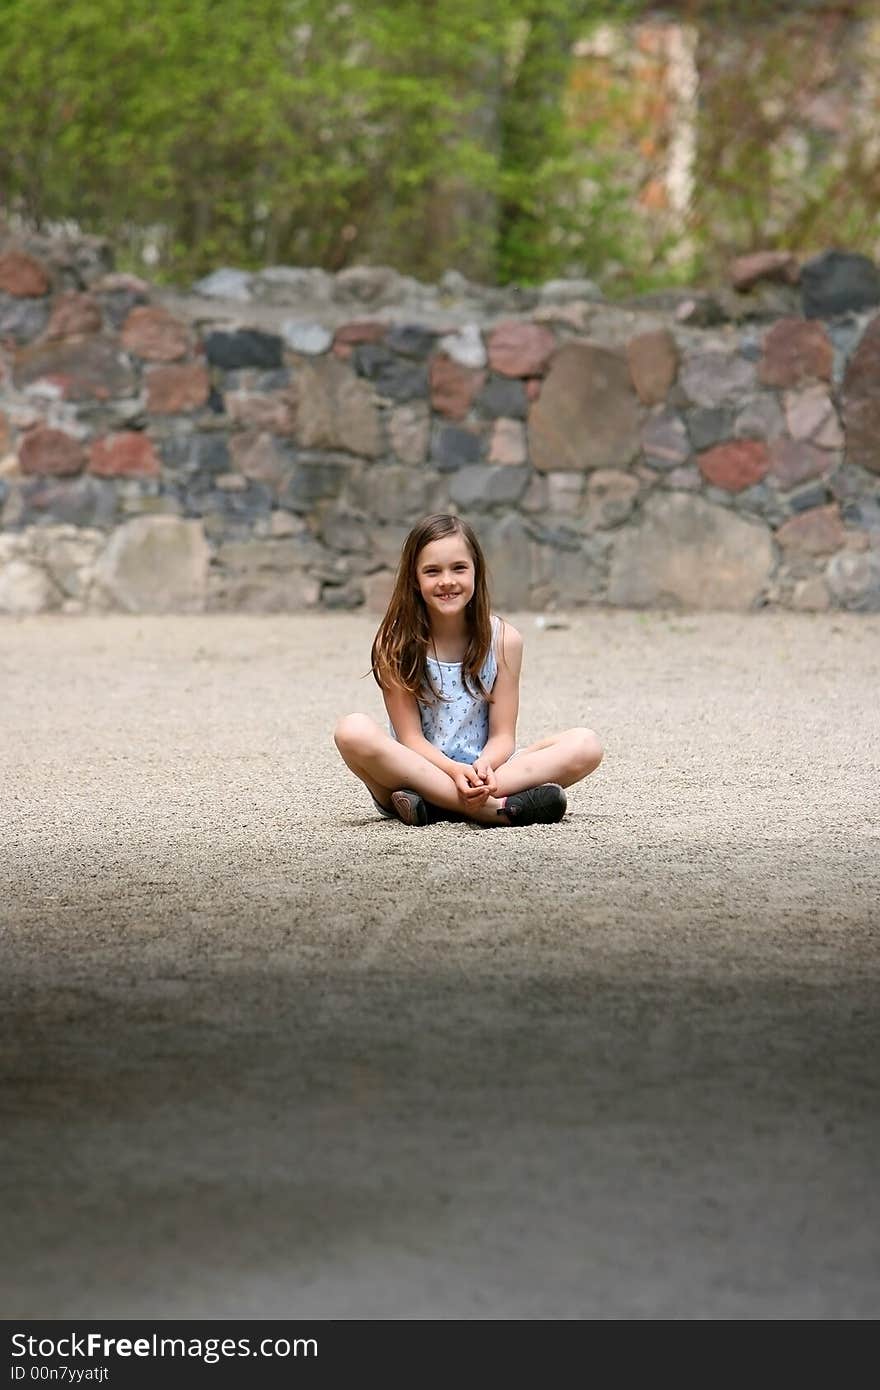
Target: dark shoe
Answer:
pixel 536 805
pixel 410 807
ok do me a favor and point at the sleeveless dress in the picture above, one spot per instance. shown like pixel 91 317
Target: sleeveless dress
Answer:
pixel 458 724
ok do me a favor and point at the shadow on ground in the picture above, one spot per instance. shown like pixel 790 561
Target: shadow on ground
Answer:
pixel 267 1056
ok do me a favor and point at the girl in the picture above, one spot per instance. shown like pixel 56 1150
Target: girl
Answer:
pixel 449 673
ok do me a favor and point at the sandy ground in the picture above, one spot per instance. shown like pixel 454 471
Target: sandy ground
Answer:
pixel 265 1055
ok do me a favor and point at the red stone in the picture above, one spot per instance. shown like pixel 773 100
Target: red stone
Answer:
pixel 89 368
pixel 350 335
pixel 154 334
pixel 118 280
pixel 47 451
pixel 794 461
pixel 174 390
pixel 861 401
pixel 520 349
pixel 736 465
pixel 22 276
pixel 746 271
pixel 795 351
pixel 816 532
pixel 653 365
pixel 127 454
pixel 73 315
pixel 453 387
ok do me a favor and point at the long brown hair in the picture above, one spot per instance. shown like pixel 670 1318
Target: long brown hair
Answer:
pixel 400 647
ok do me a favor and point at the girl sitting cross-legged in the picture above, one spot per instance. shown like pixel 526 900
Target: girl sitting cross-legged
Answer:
pixel 449 669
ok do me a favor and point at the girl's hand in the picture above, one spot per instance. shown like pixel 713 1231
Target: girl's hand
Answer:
pixel 471 790
pixel 486 773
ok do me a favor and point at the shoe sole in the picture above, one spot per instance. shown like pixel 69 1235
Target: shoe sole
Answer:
pixel 410 807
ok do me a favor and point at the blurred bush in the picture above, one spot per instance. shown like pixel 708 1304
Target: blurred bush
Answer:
pixel 197 133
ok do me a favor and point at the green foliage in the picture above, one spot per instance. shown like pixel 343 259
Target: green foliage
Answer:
pixel 297 130
pixel 768 175
pixel 423 133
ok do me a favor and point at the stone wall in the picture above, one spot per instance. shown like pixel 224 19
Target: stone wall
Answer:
pixel 265 443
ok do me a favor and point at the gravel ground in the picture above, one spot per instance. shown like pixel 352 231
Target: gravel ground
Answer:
pixel 266 1055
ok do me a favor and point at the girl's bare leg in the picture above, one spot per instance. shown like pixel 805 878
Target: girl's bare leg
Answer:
pixel 564 758
pixel 384 766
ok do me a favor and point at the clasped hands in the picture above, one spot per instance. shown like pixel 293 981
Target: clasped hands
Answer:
pixel 475 782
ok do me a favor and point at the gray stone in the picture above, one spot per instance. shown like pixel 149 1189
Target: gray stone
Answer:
pixel 465 346
pixel 309 338
pixel 568 568
pixel 336 410
pixel 806 498
pixel 409 429
pixel 244 347
pixel 708 426
pixel 854 579
pixel 388 543
pixel 411 340
pixel 761 500
pixel 343 596
pixel 378 588
pixel 838 282
pixel 863 512
pixel 479 486
pixel 685 479
pixel 711 378
pixel 156 564
pixel 665 439
pixel 503 396
pixel 453 446
pixel 26 588
pixel 23 320
pixel 310 481
pixel 198 455
pixel 505 544
pixel 262 589
pixel 534 499
pixel 372 285
pixel 810 415
pixel 394 379
pixel 587 415
pixel 563 493
pixel 230 510
pixel 759 418
pixel 395 493
pixel 291 284
pixel 344 531
pixel 84 501
pixel 69 554
pixel 226 284
pixel 687 552
pixel 810 595
pixel 611 496
pixel 561 291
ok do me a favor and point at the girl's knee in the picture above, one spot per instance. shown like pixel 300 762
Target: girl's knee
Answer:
pixel 586 752
pixel 354 733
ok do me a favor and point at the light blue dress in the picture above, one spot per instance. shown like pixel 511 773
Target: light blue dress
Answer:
pixel 457 724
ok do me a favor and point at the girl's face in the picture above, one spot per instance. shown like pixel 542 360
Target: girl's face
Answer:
pixel 445 574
